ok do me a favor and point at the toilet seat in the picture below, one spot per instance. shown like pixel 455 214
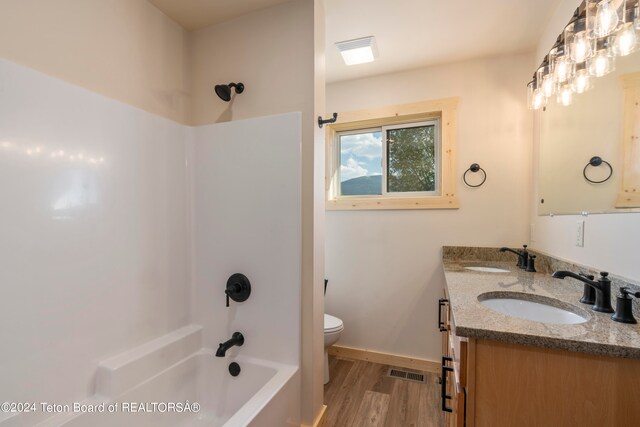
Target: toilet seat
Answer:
pixel 332 324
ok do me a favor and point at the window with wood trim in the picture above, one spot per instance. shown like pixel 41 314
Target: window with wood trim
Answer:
pixel 400 157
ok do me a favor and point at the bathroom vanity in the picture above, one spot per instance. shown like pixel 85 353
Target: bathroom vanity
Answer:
pixel 505 370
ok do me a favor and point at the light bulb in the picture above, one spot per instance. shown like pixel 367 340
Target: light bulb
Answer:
pixel 548 85
pixel 601 64
pixel 577 40
pixel 565 95
pixel 562 70
pixel 538 99
pixel 581 48
pixel 606 18
pixel 625 42
pixel 581 81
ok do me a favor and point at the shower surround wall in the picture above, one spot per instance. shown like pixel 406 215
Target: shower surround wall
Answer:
pixel 246 219
pixel 96 230
pixel 148 61
pixel 94 255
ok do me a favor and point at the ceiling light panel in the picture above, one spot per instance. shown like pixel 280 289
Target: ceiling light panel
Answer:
pixel 358 51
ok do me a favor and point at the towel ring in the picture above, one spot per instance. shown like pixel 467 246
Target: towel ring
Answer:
pixel 595 162
pixel 474 168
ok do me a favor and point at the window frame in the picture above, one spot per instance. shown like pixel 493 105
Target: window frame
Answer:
pixel 384 154
pixel 442 111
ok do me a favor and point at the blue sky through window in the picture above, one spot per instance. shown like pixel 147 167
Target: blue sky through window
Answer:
pixel 360 155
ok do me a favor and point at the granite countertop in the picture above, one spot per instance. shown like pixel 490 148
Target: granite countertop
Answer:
pixel 599 334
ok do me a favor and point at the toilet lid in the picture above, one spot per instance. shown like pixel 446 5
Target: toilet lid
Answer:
pixel 332 323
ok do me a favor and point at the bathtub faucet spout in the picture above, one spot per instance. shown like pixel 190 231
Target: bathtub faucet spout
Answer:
pixel 236 339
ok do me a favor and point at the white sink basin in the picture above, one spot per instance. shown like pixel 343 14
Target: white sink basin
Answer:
pixel 538 311
pixel 488 269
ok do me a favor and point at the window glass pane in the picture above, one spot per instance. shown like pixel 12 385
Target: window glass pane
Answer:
pixel 411 161
pixel 361 163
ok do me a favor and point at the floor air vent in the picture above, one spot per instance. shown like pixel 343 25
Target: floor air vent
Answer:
pixel 406 375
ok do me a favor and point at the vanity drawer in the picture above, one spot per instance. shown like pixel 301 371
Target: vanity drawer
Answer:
pixel 457 352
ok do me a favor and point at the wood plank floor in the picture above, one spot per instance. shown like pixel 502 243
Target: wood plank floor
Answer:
pixel 361 394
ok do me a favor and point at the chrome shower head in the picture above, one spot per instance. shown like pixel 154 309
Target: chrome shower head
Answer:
pixel 224 91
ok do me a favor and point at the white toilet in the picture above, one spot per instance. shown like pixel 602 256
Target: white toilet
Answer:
pixel 333 327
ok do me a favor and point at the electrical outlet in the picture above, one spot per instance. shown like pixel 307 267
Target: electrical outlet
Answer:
pixel 580 233
pixel 532 233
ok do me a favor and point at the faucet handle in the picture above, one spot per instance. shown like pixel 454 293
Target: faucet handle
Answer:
pixel 531 266
pixel 626 292
pixel 624 306
pixel 238 288
pixel 587 275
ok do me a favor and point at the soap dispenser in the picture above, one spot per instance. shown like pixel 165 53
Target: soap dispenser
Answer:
pixel 624 306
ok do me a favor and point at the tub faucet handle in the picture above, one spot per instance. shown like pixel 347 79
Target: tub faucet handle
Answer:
pixel 238 288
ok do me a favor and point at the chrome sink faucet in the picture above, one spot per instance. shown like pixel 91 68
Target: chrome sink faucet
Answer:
pixel 602 288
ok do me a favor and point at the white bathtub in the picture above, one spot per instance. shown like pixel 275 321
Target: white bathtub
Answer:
pixel 265 394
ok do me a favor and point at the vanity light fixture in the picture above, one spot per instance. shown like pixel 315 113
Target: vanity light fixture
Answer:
pixel 358 51
pixel 599 31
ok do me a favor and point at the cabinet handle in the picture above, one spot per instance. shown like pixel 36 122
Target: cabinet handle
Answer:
pixel 441 303
pixel 443 384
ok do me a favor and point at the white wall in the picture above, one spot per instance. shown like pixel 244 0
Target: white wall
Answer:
pixel 384 267
pixel 244 50
pixel 94 255
pixel 125 49
pixel 610 239
pixel 246 219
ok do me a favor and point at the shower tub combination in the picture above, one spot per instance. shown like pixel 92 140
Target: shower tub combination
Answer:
pixel 174 369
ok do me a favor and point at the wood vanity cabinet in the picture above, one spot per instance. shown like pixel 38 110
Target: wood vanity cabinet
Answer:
pixel 507 384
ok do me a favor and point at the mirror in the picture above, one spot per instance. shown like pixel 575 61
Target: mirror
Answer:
pixel 602 122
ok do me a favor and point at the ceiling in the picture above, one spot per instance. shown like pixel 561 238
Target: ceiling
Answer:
pixel 196 14
pixel 409 33
pixel 418 33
